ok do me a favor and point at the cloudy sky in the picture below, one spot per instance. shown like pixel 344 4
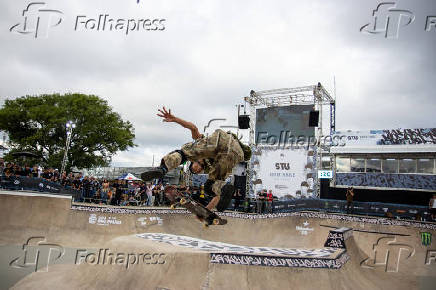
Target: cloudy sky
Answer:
pixel 212 53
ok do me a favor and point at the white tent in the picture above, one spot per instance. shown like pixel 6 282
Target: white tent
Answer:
pixel 128 176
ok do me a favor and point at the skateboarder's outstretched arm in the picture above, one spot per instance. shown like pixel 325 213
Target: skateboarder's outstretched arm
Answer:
pixel 168 117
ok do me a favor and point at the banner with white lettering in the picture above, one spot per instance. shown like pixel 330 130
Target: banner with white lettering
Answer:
pixel 387 137
pixel 285 171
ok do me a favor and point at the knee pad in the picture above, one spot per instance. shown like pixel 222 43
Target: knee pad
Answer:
pixel 226 197
pixel 208 187
pixel 227 191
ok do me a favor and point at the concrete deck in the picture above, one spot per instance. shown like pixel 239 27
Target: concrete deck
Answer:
pixel 47 242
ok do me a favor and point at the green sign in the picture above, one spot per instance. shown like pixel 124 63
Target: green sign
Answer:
pixel 426 239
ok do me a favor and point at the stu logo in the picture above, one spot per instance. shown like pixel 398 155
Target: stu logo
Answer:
pixel 387 20
pixel 283 166
pixel 37 20
pixel 38 254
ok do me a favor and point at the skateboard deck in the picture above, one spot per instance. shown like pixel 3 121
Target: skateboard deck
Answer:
pixel 206 216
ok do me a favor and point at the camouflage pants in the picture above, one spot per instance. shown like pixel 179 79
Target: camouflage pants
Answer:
pixel 223 148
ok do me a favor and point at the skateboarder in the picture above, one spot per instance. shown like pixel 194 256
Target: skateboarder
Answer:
pixel 215 155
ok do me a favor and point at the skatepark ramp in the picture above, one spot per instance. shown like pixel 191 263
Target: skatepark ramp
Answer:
pixel 49 242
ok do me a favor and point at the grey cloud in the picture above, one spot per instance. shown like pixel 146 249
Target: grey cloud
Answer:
pixel 214 52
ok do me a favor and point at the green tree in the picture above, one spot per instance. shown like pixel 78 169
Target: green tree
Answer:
pixel 37 124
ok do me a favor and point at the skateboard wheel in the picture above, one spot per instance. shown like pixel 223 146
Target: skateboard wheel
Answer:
pixel 216 221
pixel 183 201
pixel 173 206
pixel 205 225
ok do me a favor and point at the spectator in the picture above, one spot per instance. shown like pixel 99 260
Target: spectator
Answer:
pixel 27 171
pixel 432 207
pixel 10 168
pixel 119 188
pixel 86 188
pixel 2 166
pixel 68 181
pixel 125 200
pixel 269 201
pixel 77 183
pixel 8 172
pixel 237 196
pixel 18 171
pixel 94 187
pixel 35 171
pixel 137 194
pixel 109 195
pixel 56 175
pixel 149 192
pixel 47 174
pixel 130 187
pixel 349 195
pixel 143 194
pixel 104 191
pixel 260 201
pixel 63 179
pixel 160 194
pixel 6 178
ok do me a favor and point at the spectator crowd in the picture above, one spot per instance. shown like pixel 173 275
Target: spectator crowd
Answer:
pixel 123 192
pixel 89 188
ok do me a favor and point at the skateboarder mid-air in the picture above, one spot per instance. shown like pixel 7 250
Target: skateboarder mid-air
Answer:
pixel 215 155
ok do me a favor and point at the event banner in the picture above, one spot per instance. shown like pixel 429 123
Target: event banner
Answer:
pixel 388 137
pixel 284 171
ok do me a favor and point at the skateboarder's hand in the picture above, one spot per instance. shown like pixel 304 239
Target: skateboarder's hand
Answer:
pixel 166 115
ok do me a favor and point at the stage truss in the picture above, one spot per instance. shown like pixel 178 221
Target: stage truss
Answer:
pixel 315 95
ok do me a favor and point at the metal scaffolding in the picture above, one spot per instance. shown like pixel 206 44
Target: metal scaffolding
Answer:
pixel 307 95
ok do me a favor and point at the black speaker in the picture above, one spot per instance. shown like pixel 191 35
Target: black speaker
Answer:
pixel 239 183
pixel 313 118
pixel 244 121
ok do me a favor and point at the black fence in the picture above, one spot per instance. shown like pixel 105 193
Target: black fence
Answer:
pixel 415 212
pixel 340 206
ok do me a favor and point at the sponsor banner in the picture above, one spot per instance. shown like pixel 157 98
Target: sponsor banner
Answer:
pixel 269 261
pixel 325 174
pixel 35 184
pixel 284 171
pixel 380 208
pixel 336 238
pixel 387 180
pixel 216 247
pixel 426 239
pixel 388 137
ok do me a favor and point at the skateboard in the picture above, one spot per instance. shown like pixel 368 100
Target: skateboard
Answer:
pixel 206 216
